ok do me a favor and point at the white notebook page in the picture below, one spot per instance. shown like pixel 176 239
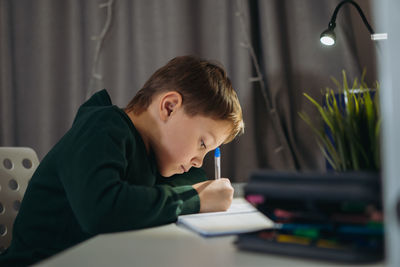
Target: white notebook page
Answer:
pixel 241 217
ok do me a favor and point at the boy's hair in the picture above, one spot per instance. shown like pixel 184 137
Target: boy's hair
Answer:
pixel 204 86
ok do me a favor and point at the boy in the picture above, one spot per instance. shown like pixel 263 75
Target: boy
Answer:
pixel 119 170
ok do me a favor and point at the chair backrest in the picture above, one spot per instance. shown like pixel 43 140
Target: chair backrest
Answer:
pixel 17 165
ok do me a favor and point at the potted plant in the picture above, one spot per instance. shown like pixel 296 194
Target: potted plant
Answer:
pixel 350 136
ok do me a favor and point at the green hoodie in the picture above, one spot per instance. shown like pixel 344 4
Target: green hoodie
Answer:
pixel 97 179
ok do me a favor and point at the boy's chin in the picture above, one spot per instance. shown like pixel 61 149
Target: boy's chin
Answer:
pixel 167 174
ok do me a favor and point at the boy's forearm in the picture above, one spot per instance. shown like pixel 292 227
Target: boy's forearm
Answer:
pixel 128 207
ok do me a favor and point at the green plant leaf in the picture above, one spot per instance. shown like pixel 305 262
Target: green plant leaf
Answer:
pixel 321 111
pixel 345 84
pixel 355 83
pixel 321 137
pixel 351 139
pixel 335 165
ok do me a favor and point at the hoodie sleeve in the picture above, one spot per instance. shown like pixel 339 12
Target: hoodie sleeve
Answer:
pixel 91 172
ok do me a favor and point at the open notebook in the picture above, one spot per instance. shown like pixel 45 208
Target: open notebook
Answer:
pixel 241 217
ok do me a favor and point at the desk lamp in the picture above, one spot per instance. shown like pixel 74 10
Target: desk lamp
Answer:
pixel 328 37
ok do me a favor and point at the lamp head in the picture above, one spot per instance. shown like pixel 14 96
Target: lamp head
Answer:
pixel 328 37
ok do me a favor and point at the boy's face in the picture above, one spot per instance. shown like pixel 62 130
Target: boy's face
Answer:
pixel 185 140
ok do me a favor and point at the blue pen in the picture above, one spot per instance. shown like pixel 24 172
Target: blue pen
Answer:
pixel 217 163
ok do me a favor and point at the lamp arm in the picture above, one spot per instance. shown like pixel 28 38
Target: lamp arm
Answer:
pixel 332 23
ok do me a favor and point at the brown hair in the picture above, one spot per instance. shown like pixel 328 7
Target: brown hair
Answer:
pixel 204 86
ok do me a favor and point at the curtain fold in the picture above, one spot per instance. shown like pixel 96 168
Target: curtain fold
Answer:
pixel 7 78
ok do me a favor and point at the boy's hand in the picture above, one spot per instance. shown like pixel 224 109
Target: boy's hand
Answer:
pixel 215 195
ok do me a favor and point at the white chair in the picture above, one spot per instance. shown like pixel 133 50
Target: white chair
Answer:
pixel 17 165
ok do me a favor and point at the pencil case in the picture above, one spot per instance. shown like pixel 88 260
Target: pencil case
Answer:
pixel 331 216
pixel 276 242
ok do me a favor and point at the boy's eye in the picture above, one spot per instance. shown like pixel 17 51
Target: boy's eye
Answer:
pixel 203 145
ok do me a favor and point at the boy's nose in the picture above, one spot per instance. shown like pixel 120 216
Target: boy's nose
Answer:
pixel 197 162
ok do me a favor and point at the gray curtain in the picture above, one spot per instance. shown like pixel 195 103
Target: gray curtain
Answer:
pixel 49 65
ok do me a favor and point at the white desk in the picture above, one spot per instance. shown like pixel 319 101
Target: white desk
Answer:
pixel 170 245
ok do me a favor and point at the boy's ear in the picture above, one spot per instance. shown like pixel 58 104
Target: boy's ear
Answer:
pixel 170 102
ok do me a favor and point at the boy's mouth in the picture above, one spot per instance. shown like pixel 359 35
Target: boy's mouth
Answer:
pixel 183 168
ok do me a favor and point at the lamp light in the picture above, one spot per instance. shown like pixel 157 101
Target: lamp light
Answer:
pixel 328 37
